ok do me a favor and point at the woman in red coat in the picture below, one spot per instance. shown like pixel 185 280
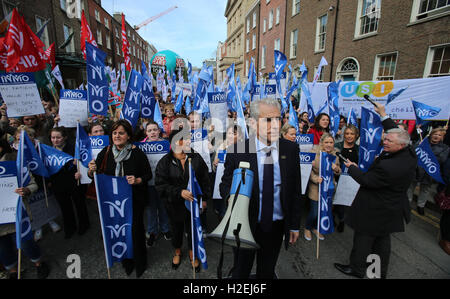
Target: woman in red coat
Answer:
pixel 321 125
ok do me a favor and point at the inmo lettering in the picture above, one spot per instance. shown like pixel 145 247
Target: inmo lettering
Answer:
pixel 11 78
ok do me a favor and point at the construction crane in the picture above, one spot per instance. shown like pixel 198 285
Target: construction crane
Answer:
pixel 145 23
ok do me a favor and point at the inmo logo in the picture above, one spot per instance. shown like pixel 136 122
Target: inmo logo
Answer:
pixel 378 90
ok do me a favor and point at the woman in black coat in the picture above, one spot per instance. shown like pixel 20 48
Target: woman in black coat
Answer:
pixel 67 191
pixel 126 160
pixel 172 177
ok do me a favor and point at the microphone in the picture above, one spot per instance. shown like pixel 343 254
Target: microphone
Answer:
pixel 368 99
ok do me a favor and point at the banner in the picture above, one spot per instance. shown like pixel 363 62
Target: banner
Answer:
pixel 21 95
pixel 428 161
pixel 270 90
pixel 148 101
pixel 199 143
pixel 306 160
pixel 73 108
pixel 219 110
pixel 155 151
pixel 8 184
pixel 305 142
pixel 434 92
pixel 326 191
pixel 115 205
pixel 98 87
pixel 219 174
pixel 132 101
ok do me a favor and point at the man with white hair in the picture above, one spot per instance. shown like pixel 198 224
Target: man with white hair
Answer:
pixel 381 204
pixel 274 209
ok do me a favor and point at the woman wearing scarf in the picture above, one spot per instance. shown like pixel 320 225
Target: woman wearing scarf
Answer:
pixel 126 160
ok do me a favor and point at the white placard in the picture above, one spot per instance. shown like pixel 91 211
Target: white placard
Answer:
pixel 219 174
pixel 346 190
pixel 8 200
pixel 218 109
pixel 40 213
pixel 187 89
pixel 154 151
pixel 306 160
pixel 72 111
pixel 21 95
pixel 200 144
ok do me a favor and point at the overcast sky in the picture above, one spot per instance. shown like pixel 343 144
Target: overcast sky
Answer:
pixel 193 30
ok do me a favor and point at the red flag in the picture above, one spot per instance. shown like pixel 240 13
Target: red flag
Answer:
pixel 86 35
pixel 125 45
pixel 24 50
pixel 50 53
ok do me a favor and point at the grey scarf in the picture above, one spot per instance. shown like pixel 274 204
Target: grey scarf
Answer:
pixel 120 156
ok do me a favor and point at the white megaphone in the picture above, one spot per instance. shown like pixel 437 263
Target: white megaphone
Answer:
pixel 234 230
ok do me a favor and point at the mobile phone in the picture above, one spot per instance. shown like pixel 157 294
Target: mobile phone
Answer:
pixel 368 99
pixel 342 157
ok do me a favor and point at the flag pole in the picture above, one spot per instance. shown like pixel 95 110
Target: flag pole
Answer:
pixel 43 178
pixel 101 223
pixel 192 221
pixel 20 203
pixel 318 208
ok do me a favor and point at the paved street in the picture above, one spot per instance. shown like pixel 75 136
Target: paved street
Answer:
pixel 415 255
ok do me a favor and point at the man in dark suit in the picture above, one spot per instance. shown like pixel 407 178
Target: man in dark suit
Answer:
pixel 381 204
pixel 274 209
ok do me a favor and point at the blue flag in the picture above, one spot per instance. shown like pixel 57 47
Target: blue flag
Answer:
pixel 333 102
pixel 351 118
pixel 371 133
pixel 393 96
pixel 326 193
pixel 115 205
pixel 23 224
pixel 293 118
pixel 157 116
pixel 53 159
pixel 98 86
pixel 179 103
pixel 428 161
pixel 280 64
pixel 148 100
pixel 187 106
pixel 231 89
pixel 424 112
pixel 305 89
pixel 145 73
pixel 174 85
pixel 132 101
pixel 240 116
pixel 198 245
pixel 28 160
pixel 251 84
pixel 83 150
pixel 189 72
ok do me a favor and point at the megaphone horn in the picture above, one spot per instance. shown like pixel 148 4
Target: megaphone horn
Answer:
pixel 234 229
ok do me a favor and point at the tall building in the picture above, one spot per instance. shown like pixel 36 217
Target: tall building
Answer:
pixel 370 39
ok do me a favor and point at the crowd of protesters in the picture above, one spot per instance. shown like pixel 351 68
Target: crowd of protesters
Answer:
pixel 159 194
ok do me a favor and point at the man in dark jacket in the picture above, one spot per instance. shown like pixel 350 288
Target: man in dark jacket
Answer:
pixel 274 209
pixel 381 204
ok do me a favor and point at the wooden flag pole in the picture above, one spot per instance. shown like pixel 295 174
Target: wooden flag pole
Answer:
pixel 20 262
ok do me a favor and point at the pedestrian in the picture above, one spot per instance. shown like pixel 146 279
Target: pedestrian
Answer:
pixel 349 150
pixel 8 252
pixel 381 204
pixel 422 178
pixel 274 208
pixel 321 125
pixel 326 145
pixel 157 219
pixel 288 132
pixel 123 159
pixel 172 177
pixel 68 192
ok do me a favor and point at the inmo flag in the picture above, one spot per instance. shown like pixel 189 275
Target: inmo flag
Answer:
pixel 54 160
pixel 424 112
pixel 325 219
pixel 83 148
pixel 427 160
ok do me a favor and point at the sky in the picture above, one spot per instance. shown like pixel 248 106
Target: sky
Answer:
pixel 193 30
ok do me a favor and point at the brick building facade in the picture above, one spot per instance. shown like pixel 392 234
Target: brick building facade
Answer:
pixel 252 28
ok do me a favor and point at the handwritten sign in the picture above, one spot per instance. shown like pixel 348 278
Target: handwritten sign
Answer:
pixel 73 108
pixel 8 184
pixel 21 95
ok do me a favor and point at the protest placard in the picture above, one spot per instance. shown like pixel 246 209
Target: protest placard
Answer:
pixel 98 143
pixel 186 87
pixel 155 151
pixel 305 142
pixel 8 184
pixel 306 160
pixel 218 108
pixel 219 174
pixel 200 144
pixel 346 190
pixel 40 212
pixel 73 108
pixel 21 95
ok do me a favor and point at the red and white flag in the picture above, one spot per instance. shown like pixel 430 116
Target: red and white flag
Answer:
pixel 50 53
pixel 86 35
pixel 125 45
pixel 22 48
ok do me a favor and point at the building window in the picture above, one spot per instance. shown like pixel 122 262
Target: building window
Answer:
pixel 270 19
pixel 264 25
pixel 44 37
pixel 99 37
pixel 106 23
pixel 108 42
pixel 117 49
pixel 67 32
pixel 263 57
pixel 248 25
pixel 368 16
pixel 246 68
pixel 276 44
pixel 385 65
pixel 247 45
pixel 267 1
pixel 117 32
pixel 97 15
pixel 321 33
pixel 438 61
pixel 254 20
pixel 422 9
pixel 277 16
pixel 62 4
pixel 295 7
pixel 294 38
pixel 254 42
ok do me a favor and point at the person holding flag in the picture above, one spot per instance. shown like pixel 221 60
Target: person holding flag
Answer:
pixel 381 204
pixel 8 253
pixel 172 178
pixel 123 159
pixel 321 126
pixel 66 189
pixel 326 145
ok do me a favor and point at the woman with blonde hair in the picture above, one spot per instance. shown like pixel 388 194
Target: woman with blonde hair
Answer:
pixel 326 145
pixel 288 132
